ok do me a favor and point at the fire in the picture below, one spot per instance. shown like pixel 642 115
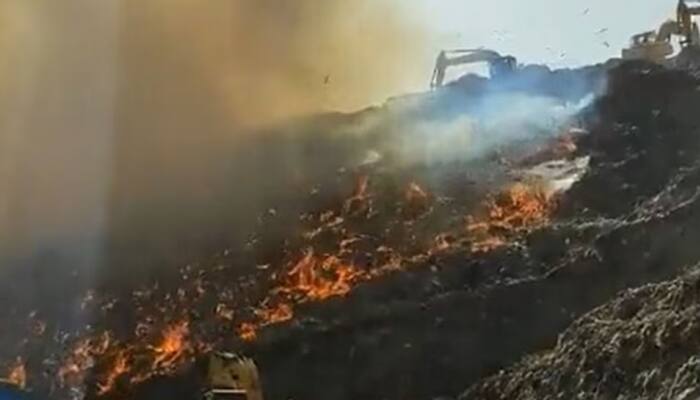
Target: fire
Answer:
pixel 248 331
pixel 282 312
pixel 318 278
pixel 82 358
pixel 335 255
pixel 173 346
pixel 518 208
pixel 18 374
pixel 311 278
pixel 119 368
pixel 521 206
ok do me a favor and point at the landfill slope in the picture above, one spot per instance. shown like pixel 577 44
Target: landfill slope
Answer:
pixel 641 345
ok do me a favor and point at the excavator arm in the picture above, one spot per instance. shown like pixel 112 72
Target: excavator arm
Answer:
pixel 497 63
pixel 469 58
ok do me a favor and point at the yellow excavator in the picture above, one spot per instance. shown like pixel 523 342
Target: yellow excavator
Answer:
pixel 656 45
pixel 232 377
pixel 498 65
pixel 688 28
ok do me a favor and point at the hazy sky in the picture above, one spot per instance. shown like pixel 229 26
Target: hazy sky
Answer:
pixel 542 30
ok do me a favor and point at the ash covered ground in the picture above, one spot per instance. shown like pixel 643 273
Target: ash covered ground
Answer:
pixel 397 262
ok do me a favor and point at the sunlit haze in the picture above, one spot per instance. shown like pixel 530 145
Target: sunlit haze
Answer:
pixel 557 33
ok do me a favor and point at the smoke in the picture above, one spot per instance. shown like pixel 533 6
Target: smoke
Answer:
pixel 498 119
pixel 121 116
pixel 466 126
pixel 336 55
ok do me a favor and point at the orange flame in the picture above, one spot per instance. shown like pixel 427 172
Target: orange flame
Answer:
pixel 314 278
pixel 518 208
pixel 310 276
pixel 18 374
pixel 172 347
pixel 119 367
pixel 248 331
pixel 82 358
pixel 282 312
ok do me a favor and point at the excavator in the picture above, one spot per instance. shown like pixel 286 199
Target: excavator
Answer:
pixel 498 65
pixel 231 377
pixel 688 28
pixel 656 45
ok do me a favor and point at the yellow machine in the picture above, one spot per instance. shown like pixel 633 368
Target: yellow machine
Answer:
pixel 656 45
pixel 652 46
pixel 498 65
pixel 232 377
pixel 688 28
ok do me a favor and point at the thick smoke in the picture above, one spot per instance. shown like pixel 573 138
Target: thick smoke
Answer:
pixel 122 111
pixel 497 120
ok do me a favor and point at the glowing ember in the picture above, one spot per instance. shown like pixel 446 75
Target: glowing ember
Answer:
pixel 172 347
pixel 119 368
pixel 247 331
pixel 18 374
pixel 314 278
pixel 282 312
pixel 75 367
pixel 519 208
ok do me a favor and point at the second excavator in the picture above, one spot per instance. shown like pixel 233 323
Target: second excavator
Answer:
pixel 498 65
pixel 656 45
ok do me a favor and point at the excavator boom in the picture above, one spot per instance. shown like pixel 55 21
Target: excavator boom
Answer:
pixel 498 64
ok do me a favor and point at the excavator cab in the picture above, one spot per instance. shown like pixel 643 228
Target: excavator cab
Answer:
pixel 688 28
pixel 648 46
pixel 232 377
pixel 503 66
